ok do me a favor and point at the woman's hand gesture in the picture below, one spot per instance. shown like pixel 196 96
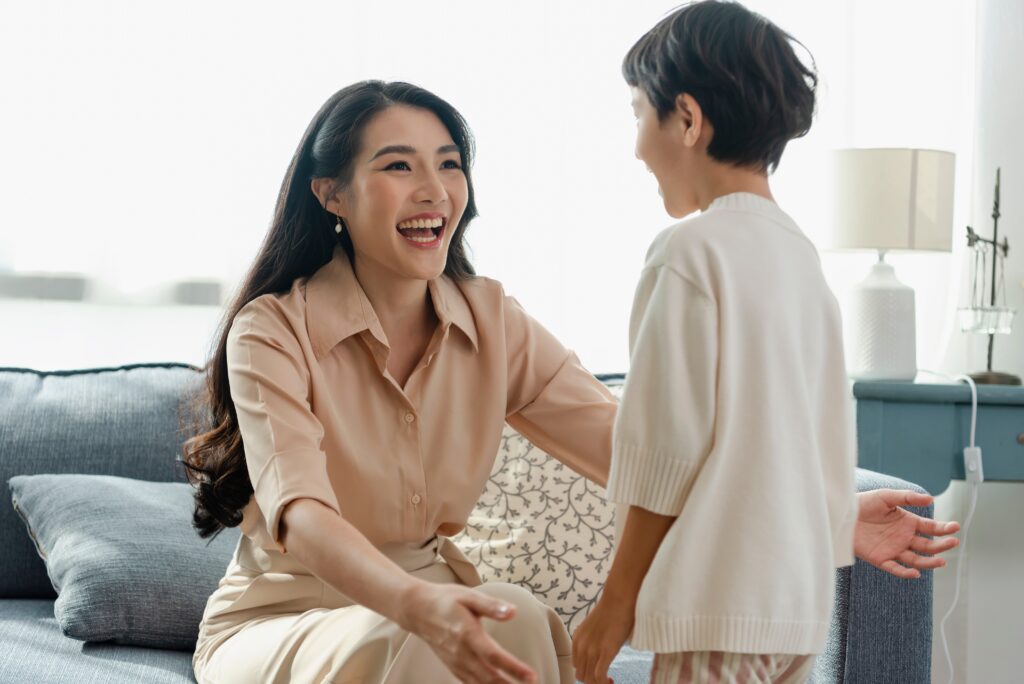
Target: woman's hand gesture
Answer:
pixel 447 617
pixel 891 538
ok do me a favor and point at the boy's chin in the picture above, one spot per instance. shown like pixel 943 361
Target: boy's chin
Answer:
pixel 678 209
pixel 674 211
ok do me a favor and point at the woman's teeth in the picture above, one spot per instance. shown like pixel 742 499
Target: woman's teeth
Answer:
pixel 421 223
pixel 424 232
pixel 418 238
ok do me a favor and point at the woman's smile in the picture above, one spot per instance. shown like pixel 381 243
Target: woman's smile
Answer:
pixel 423 231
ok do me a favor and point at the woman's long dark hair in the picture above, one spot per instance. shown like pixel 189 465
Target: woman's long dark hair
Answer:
pixel 301 239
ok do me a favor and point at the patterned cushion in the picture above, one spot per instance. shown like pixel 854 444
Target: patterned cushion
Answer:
pixel 542 526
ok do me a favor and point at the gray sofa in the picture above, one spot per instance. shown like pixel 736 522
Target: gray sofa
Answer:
pixel 126 422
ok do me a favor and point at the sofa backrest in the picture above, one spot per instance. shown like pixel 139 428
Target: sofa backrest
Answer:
pixel 127 421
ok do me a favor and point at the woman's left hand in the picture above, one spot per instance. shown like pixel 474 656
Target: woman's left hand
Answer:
pixel 599 638
pixel 893 539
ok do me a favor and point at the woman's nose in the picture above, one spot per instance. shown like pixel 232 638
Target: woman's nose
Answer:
pixel 431 189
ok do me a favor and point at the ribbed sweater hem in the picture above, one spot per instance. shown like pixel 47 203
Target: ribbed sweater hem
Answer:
pixel 672 634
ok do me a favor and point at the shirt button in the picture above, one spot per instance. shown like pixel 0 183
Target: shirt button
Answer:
pixel 409 417
pixel 416 499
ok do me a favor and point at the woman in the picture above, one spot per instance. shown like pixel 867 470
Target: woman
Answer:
pixel 358 393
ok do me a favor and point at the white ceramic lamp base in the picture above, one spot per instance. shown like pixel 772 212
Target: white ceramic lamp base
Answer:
pixel 881 342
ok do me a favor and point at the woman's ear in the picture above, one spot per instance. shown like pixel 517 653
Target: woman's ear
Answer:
pixel 690 118
pixel 331 198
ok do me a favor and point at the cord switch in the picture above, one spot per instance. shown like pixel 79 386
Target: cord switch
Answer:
pixel 972 464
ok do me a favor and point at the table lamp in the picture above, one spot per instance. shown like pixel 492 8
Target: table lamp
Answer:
pixel 888 200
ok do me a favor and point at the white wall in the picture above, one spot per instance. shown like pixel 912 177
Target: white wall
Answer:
pixel 985 632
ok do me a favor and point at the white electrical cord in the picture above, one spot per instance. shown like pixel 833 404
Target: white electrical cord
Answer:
pixel 973 482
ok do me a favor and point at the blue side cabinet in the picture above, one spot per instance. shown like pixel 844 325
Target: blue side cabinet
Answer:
pixel 918 431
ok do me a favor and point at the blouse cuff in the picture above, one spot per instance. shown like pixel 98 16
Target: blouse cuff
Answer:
pixel 288 476
pixel 650 479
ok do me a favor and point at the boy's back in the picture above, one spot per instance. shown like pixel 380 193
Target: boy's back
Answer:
pixel 737 393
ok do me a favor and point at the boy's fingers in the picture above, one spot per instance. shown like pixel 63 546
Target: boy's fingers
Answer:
pixel 584 671
pixel 601 671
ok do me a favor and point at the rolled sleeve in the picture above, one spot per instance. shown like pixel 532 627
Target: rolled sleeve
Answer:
pixel 665 427
pixel 554 401
pixel 270 386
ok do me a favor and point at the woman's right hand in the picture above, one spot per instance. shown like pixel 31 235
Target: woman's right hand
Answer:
pixel 447 617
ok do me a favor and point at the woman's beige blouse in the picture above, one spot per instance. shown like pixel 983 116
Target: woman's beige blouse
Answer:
pixel 320 416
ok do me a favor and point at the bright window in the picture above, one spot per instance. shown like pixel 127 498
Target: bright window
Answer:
pixel 143 144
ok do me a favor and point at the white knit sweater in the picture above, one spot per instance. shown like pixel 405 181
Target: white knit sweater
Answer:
pixel 737 417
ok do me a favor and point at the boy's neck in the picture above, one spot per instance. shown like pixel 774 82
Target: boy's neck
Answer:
pixel 720 180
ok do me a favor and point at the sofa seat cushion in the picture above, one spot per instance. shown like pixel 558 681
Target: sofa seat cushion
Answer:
pixel 34 650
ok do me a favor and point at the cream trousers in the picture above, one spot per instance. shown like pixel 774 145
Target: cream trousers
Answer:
pixel 343 643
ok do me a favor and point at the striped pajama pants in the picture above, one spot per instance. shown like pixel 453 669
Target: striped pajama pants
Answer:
pixel 716 667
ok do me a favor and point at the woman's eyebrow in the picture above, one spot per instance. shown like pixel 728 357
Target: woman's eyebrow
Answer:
pixel 409 149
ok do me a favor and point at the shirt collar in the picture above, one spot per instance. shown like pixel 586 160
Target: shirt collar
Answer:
pixel 337 307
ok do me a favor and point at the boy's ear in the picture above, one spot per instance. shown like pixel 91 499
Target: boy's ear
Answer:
pixel 690 118
pixel 331 198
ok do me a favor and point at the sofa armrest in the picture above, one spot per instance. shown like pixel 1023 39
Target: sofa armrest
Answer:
pixel 881 625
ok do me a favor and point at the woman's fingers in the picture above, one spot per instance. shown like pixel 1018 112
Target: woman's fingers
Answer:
pixel 472 663
pixel 932 546
pixel 937 528
pixel 894 568
pixel 902 497
pixel 914 498
pixel 498 659
pixel 913 560
pixel 474 670
pixel 484 606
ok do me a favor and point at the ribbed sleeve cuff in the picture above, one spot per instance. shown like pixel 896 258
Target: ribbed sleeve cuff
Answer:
pixel 842 540
pixel 650 479
pixel 288 476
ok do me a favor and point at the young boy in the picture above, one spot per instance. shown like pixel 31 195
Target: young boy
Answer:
pixel 737 388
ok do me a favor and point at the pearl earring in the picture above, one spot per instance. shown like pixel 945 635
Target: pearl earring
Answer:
pixel 339 226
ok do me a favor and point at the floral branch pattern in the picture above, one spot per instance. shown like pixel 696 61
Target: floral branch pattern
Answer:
pixel 540 525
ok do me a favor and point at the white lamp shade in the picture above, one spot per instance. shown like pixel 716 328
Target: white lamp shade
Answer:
pixel 892 199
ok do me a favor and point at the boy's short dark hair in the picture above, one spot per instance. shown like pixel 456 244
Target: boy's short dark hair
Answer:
pixel 740 68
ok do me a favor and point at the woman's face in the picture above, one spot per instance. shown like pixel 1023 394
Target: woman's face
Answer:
pixel 407 194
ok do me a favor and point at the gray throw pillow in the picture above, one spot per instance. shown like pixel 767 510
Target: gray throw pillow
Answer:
pixel 123 557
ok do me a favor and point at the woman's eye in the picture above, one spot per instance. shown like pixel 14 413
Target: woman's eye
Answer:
pixel 398 166
pixel 451 164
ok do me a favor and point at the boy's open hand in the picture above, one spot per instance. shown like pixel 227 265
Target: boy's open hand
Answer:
pixel 891 538
pixel 598 639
